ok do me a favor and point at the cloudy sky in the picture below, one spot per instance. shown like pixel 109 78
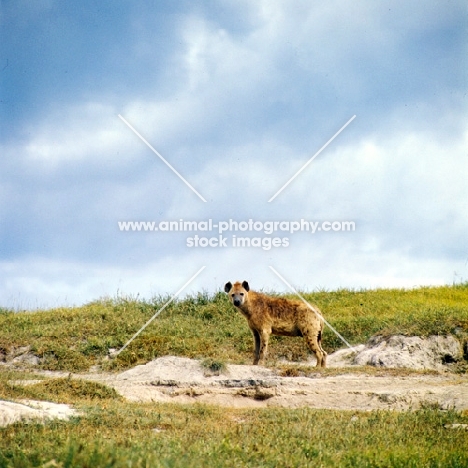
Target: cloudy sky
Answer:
pixel 237 96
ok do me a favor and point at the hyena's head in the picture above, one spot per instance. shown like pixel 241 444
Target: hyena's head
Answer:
pixel 238 292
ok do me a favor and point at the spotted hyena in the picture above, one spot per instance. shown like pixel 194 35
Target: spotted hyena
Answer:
pixel 278 316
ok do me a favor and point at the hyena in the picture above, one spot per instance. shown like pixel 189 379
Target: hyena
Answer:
pixel 278 316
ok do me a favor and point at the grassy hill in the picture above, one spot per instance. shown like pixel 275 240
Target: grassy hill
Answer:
pixel 204 326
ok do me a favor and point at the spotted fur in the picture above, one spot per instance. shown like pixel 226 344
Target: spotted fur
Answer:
pixel 268 315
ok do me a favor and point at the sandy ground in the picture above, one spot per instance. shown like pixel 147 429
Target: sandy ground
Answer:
pixel 184 380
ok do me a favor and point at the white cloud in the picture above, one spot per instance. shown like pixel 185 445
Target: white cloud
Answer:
pixel 78 133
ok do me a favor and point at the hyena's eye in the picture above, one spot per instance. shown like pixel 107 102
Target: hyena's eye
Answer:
pixel 241 294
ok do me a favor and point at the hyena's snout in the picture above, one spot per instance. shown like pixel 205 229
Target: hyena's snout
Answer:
pixel 237 301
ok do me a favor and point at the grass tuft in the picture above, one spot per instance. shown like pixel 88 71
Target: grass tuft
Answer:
pixel 62 390
pixel 214 366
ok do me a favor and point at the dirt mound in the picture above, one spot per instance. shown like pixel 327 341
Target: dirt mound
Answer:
pixel 410 352
pixel 171 370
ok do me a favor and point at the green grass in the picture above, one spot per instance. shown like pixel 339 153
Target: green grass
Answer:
pixel 114 433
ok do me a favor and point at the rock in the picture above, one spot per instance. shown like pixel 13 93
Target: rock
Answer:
pixel 20 356
pixel 412 352
pixel 26 358
pixel 26 410
pixel 457 426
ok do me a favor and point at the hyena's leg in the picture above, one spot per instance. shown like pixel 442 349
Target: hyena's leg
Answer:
pixel 264 337
pixel 257 346
pixel 319 341
pixel 313 342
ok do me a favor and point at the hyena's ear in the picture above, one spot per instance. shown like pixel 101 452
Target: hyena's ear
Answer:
pixel 246 286
pixel 227 287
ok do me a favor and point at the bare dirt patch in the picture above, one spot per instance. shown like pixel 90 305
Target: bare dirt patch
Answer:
pixel 350 387
pixel 183 380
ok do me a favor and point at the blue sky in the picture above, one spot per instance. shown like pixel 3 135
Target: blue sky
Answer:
pixel 237 96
